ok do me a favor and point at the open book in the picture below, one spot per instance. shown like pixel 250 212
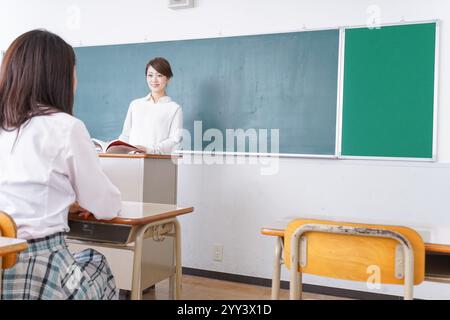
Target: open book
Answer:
pixel 114 146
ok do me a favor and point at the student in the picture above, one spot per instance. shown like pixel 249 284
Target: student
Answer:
pixel 47 163
pixel 154 123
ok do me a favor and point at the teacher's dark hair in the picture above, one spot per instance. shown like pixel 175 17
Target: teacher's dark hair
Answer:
pixel 161 65
pixel 36 78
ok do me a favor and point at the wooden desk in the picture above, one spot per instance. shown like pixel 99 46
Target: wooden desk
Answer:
pixel 132 243
pixel 437 262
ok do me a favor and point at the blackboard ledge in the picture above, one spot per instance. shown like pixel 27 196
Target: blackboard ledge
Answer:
pixel 347 157
pixel 253 154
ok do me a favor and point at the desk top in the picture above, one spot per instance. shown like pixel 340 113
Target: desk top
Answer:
pixel 11 245
pixel 138 213
pixel 137 156
pixel 437 239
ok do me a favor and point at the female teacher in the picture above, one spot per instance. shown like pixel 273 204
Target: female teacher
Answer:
pixel 154 123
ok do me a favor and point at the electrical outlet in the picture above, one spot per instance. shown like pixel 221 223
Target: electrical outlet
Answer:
pixel 218 252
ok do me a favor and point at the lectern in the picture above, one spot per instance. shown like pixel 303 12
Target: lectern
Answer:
pixel 144 178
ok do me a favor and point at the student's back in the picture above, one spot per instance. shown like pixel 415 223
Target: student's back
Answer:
pixel 42 170
pixel 47 163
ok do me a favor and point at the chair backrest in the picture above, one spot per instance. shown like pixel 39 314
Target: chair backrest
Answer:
pixel 8 229
pixel 355 257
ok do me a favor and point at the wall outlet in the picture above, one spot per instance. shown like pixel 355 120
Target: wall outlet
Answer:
pixel 218 252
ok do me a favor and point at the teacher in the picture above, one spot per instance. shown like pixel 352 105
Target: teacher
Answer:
pixel 154 123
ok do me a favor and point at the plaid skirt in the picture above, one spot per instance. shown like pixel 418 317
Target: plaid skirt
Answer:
pixel 47 270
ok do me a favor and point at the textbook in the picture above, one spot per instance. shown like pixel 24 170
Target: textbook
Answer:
pixel 114 146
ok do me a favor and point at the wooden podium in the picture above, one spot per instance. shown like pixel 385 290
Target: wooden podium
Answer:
pixel 144 178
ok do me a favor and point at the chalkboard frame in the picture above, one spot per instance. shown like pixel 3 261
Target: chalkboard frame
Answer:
pixel 433 157
pixel 339 105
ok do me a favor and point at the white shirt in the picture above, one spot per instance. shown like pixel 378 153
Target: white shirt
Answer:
pixel 52 165
pixel 154 125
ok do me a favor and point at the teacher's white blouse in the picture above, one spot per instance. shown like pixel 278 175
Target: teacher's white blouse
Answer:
pixel 52 164
pixel 154 125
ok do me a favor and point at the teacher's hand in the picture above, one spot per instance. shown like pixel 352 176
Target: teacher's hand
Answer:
pixel 141 148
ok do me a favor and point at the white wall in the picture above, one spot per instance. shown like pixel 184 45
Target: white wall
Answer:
pixel 232 202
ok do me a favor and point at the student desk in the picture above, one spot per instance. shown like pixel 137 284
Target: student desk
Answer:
pixel 130 244
pixel 437 247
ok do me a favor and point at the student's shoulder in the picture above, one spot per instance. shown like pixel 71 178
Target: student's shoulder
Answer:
pixel 64 123
pixel 65 119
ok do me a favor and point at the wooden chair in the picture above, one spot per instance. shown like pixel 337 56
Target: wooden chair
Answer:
pixel 374 254
pixel 10 246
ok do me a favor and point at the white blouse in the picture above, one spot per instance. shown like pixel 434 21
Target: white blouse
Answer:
pixel 154 125
pixel 52 164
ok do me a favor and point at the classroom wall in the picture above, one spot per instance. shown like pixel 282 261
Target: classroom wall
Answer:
pixel 232 202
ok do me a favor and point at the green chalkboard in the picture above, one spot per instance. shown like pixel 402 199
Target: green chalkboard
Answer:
pixel 388 99
pixel 284 81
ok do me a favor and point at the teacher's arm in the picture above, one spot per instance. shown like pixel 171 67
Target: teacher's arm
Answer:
pixel 173 142
pixel 125 135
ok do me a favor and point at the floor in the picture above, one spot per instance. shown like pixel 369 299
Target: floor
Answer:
pixel 199 288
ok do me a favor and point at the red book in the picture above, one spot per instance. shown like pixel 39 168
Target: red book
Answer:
pixel 115 146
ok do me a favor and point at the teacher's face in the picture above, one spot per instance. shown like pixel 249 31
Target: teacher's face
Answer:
pixel 156 81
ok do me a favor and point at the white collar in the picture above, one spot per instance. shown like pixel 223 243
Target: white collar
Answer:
pixel 163 99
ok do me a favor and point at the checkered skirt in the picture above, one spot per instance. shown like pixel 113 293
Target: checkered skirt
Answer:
pixel 47 270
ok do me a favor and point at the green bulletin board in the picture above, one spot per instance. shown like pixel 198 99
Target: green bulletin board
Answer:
pixel 389 92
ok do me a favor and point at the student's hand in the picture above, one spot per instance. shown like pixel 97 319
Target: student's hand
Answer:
pixel 75 208
pixel 84 214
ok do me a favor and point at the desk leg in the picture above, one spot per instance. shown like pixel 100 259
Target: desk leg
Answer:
pixel 178 265
pixel 136 290
pixel 171 287
pixel 277 268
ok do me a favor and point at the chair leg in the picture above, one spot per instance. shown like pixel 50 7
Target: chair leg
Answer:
pixel 408 273
pixel 295 285
pixel 300 286
pixel 276 269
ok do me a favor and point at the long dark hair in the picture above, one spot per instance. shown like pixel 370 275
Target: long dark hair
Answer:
pixel 36 78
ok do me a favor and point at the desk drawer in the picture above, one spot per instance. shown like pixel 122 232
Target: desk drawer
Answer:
pixel 437 267
pixel 100 232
